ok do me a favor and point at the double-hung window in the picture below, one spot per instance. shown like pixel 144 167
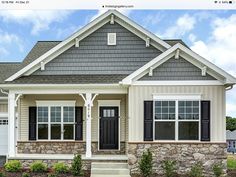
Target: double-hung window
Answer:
pixel 55 120
pixel 177 119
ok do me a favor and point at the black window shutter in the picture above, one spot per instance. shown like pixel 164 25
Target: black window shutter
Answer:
pixel 205 120
pixel 79 123
pixel 32 122
pixel 148 120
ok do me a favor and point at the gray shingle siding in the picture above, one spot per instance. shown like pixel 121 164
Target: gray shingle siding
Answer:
pixel 94 56
pixel 177 69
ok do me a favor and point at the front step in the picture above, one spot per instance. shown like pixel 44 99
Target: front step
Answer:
pixel 103 169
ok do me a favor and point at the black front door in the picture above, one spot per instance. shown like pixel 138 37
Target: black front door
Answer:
pixel 109 125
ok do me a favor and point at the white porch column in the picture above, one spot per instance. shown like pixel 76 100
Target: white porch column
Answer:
pixel 88 124
pixel 88 99
pixel 11 125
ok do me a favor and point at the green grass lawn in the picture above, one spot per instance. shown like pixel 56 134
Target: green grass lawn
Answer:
pixel 231 162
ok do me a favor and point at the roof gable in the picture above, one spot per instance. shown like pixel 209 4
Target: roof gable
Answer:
pixel 176 69
pixel 190 56
pixel 84 32
pixel 94 56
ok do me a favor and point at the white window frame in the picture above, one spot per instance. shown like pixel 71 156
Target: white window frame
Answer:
pixel 61 104
pixel 177 98
pixel 108 38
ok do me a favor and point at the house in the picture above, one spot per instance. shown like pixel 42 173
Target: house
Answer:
pixel 231 140
pixel 109 92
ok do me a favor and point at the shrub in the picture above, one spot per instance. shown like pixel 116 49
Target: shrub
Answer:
pixel 2 174
pixel 145 164
pixel 13 166
pixel 52 175
pixel 76 166
pixel 169 167
pixel 60 168
pixel 25 175
pixel 217 169
pixel 38 167
pixel 196 170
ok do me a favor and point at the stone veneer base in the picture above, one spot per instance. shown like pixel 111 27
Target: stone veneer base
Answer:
pixel 63 147
pixel 185 154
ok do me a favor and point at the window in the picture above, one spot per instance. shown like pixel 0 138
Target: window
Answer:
pixel 3 121
pixel 176 119
pixel 56 122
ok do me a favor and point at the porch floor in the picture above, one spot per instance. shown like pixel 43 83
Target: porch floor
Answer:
pixel 67 157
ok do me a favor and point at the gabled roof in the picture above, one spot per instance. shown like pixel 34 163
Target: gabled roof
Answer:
pixel 85 31
pixel 7 69
pixel 189 55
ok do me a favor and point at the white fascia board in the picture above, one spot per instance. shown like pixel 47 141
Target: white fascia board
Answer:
pixel 128 79
pixel 229 78
pixel 164 83
pixel 176 96
pixel 80 32
pixel 59 46
pixel 194 58
pixel 55 103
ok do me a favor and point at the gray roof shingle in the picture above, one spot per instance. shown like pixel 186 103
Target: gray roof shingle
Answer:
pixel 41 47
pixel 69 79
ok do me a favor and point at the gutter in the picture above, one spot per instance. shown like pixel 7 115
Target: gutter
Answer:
pixel 229 88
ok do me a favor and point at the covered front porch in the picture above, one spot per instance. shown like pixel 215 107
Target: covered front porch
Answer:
pixel 92 122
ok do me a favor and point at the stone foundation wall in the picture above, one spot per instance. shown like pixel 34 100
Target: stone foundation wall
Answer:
pixel 62 147
pixel 27 163
pixel 185 154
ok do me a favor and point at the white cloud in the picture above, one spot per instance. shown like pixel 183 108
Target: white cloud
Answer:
pixel 40 20
pixel 9 40
pixel 62 33
pixel 220 49
pixel 183 25
pixel 192 37
pixel 3 52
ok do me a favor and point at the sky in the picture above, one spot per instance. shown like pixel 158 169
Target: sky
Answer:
pixel 212 34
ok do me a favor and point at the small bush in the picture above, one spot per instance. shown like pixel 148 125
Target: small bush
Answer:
pixel 169 167
pixel 52 175
pixel 2 174
pixel 60 168
pixel 145 165
pixel 13 166
pixel 38 167
pixel 196 170
pixel 76 166
pixel 217 169
pixel 25 175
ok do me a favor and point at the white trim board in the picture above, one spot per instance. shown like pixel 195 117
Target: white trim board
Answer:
pixel 70 41
pixel 176 97
pixel 205 82
pixel 55 103
pixel 190 56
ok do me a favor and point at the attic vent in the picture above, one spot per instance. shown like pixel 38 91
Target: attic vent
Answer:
pixel 111 38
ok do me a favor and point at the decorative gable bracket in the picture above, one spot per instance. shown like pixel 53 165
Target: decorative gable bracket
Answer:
pixel 150 71
pixel 147 42
pixel 112 21
pixel 76 42
pixel 204 69
pixel 177 54
pixel 42 66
